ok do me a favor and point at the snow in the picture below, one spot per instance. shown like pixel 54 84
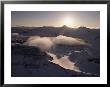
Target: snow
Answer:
pixel 73 53
pixel 63 62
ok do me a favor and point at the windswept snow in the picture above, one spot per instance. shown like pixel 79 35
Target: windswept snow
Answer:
pixel 64 62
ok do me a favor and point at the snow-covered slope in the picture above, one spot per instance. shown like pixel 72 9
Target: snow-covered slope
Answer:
pixel 55 51
pixel 31 61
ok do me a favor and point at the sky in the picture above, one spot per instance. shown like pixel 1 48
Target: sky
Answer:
pixel 56 18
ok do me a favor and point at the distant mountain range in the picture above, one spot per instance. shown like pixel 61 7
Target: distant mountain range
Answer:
pixel 54 31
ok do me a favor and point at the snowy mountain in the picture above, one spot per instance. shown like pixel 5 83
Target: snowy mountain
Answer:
pixel 55 31
pixel 55 51
pixel 31 61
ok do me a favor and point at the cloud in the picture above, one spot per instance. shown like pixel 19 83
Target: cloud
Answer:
pixel 46 43
pixel 64 40
pixel 42 42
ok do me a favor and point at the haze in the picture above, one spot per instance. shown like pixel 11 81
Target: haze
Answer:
pixel 56 18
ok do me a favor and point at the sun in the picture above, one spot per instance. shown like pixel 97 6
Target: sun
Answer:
pixel 68 21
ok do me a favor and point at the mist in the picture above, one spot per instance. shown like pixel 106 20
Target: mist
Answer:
pixel 45 43
pixel 64 40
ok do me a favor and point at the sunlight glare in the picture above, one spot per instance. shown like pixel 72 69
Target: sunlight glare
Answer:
pixel 68 21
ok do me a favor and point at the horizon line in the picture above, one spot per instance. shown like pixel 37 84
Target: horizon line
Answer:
pixel 57 26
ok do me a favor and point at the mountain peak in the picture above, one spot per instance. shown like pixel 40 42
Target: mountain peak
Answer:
pixel 64 26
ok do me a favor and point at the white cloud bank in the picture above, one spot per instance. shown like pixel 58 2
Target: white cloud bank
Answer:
pixel 46 43
pixel 42 42
pixel 64 40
